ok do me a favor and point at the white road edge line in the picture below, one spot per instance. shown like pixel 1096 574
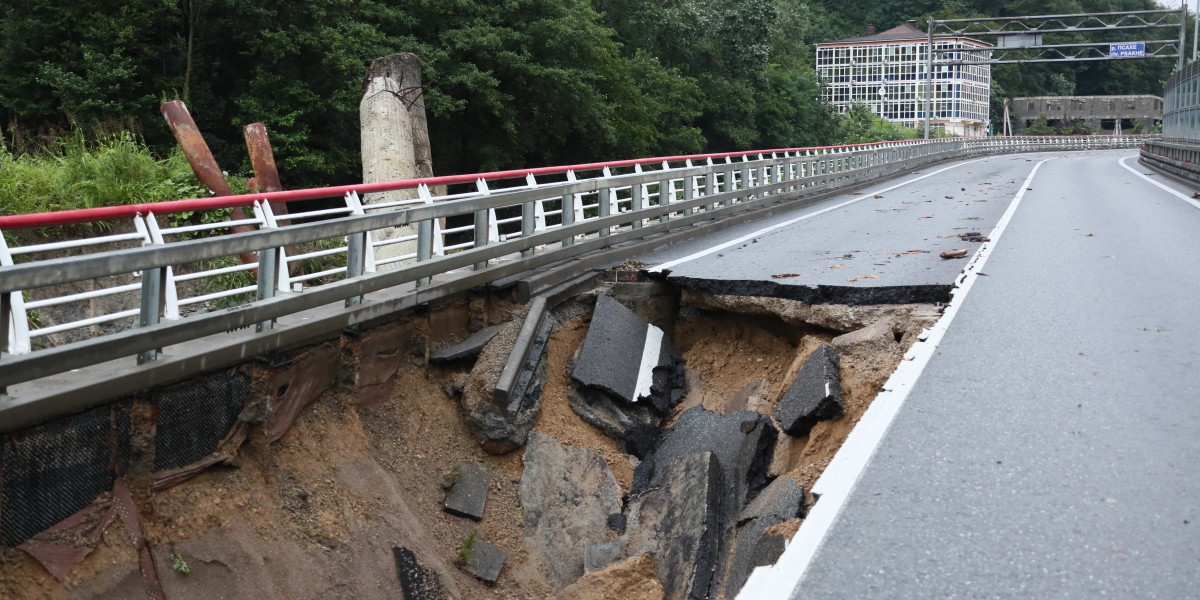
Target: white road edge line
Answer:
pixel 650 352
pixel 668 265
pixel 1173 192
pixel 784 578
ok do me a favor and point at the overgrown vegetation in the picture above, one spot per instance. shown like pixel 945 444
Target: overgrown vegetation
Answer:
pixel 511 84
pixel 1074 127
pixel 74 172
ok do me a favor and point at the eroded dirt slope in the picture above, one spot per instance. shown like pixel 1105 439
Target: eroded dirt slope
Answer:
pixel 316 514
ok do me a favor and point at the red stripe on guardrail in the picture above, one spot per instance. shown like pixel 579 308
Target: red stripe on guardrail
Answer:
pixel 128 211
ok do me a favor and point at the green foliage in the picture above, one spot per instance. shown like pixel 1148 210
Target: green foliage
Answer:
pixel 861 126
pixel 73 172
pixel 512 83
pixel 1040 127
pixel 179 565
pixel 464 551
pixel 225 281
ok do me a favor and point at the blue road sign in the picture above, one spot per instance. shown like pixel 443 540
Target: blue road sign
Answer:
pixel 1127 50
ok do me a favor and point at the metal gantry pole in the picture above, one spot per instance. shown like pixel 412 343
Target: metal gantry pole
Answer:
pixel 1195 28
pixel 1182 33
pixel 928 77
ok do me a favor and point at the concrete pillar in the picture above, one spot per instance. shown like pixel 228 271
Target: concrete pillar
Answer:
pixel 395 137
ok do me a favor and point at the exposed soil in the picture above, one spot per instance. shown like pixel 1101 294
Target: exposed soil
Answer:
pixel 559 421
pixel 316 514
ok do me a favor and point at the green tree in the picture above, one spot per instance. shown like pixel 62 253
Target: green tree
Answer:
pixel 861 126
pixel 1040 127
pixel 90 63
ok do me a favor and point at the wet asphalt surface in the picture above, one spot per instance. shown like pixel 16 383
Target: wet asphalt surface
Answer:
pixel 1051 448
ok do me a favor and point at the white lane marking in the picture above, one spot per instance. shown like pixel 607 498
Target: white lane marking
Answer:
pixel 783 579
pixel 668 265
pixel 1168 189
pixel 650 352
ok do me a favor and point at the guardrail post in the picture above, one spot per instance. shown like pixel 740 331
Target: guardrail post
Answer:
pixel 481 233
pixel 151 306
pixel 268 284
pixel 14 328
pixel 664 197
pixel 528 224
pixel 426 235
pixel 689 192
pixel 6 314
pixel 689 184
pixel 356 259
pixel 604 204
pixel 711 184
pixel 636 194
pixel 568 217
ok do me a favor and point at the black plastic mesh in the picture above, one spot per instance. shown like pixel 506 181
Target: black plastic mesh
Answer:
pixel 52 471
pixel 194 417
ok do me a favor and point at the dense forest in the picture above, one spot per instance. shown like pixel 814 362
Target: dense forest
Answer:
pixel 510 82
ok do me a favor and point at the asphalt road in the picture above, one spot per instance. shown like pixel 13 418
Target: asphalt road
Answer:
pixel 879 245
pixel 1051 449
pixel 1051 446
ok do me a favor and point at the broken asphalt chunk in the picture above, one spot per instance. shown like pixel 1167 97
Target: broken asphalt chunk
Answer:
pixel 468 495
pixel 815 395
pixel 627 357
pixel 469 348
pixel 679 522
pixel 483 560
pixel 567 496
pixel 783 500
pixel 417 581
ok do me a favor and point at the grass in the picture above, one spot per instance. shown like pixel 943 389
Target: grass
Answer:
pixel 464 552
pixel 179 565
pixel 73 172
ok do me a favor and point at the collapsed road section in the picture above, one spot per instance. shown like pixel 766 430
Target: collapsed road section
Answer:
pixel 656 437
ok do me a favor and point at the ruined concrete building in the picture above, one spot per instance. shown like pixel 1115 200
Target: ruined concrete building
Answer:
pixel 1104 113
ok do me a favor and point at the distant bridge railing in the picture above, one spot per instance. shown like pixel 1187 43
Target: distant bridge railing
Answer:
pixel 509 223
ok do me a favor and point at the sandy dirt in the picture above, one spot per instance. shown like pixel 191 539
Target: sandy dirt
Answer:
pixel 315 515
pixel 559 421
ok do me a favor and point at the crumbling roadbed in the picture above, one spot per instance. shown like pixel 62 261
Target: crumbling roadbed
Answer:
pixel 663 445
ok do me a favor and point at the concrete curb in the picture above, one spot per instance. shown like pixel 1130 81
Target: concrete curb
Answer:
pixel 507 383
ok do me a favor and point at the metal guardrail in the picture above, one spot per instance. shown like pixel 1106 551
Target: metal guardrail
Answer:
pixel 1178 158
pixel 1181 105
pixel 518 220
pixel 1178 152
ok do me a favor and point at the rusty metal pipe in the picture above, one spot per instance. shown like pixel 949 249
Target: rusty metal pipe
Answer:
pixel 266 175
pixel 201 159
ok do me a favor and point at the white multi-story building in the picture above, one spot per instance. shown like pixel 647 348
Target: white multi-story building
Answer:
pixel 886 72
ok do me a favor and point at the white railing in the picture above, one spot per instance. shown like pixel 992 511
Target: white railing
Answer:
pixel 510 221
